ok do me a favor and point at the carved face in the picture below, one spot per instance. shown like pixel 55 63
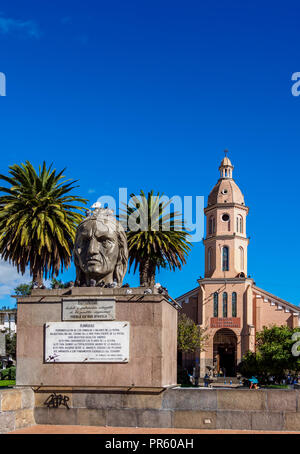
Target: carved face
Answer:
pixel 97 249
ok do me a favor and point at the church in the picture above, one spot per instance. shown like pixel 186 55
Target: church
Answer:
pixel 226 301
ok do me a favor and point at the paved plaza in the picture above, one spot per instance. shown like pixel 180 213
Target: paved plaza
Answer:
pixel 49 429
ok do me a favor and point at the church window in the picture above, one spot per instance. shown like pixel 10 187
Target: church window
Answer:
pixel 225 217
pixel 239 224
pixel 241 258
pixel 209 253
pixel 225 299
pixel 211 225
pixel 234 304
pixel 216 304
pixel 225 258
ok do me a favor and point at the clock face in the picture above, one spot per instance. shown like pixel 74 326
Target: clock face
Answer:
pixel 225 217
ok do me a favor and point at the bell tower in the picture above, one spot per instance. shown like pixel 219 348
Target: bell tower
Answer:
pixel 226 241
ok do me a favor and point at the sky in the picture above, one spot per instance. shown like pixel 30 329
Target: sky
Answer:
pixel 148 95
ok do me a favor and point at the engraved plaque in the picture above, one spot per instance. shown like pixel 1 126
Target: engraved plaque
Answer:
pixel 79 342
pixel 89 309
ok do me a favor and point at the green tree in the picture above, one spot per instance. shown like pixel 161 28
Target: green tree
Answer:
pixel 23 289
pixel 158 238
pixel 190 337
pixel 38 220
pixel 273 356
pixel 57 283
pixel 11 345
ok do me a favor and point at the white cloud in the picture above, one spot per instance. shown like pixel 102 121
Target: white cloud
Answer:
pixel 10 279
pixel 28 27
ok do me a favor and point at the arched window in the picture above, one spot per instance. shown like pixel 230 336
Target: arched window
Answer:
pixel 225 258
pixel 211 225
pixel 225 300
pixel 239 224
pixel 233 304
pixel 209 255
pixel 241 258
pixel 216 304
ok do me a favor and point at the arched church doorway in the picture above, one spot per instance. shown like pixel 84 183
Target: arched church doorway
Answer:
pixel 225 350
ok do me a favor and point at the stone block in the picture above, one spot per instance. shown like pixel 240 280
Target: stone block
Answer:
pixel 267 421
pixel 292 421
pixel 122 418
pixel 152 401
pixel 40 397
pixel 155 418
pixel 28 400
pixel 62 416
pixel 190 399
pixel 239 420
pixel 244 399
pixel 7 422
pixel 11 400
pixel 297 391
pixel 57 416
pixel 194 419
pixel 281 400
pixel 145 335
pixel 41 415
pixel 24 418
pixel 91 417
pixel 97 399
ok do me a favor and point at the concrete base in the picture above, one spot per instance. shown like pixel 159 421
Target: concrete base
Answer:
pixel 240 409
pixel 153 341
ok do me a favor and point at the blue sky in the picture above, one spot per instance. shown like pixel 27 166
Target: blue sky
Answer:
pixel 142 94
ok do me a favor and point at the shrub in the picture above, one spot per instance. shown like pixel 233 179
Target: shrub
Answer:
pixel 182 376
pixel 9 373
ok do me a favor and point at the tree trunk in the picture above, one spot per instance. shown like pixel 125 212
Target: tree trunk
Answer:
pixel 37 276
pixel 147 274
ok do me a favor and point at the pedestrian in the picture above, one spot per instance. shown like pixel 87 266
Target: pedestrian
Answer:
pixel 253 382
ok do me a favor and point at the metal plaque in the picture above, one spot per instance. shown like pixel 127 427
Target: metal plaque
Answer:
pixel 79 342
pixel 89 309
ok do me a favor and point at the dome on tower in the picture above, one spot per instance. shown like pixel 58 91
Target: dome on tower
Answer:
pixel 226 190
pixel 226 162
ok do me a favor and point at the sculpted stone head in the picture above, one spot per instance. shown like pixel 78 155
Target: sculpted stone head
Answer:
pixel 100 250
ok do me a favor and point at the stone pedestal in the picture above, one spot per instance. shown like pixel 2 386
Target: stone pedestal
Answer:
pixel 152 340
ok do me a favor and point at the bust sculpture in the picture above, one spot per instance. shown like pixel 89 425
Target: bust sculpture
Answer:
pixel 100 250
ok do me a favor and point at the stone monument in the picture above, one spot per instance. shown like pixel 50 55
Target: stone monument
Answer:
pixel 97 333
pixel 100 250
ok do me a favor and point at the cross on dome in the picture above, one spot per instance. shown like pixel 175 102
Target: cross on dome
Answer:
pixel 226 167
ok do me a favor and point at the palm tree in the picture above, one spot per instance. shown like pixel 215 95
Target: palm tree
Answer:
pixel 157 240
pixel 38 220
